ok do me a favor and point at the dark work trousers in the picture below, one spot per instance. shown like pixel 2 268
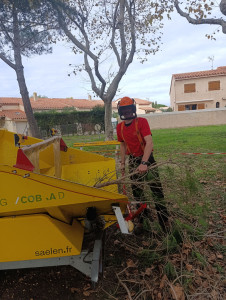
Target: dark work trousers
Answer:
pixel 153 181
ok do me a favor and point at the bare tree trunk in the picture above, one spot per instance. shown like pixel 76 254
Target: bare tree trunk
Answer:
pixel 223 7
pixel 21 79
pixel 26 101
pixel 107 120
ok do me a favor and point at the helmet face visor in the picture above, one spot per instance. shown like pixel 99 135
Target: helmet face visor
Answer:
pixel 127 112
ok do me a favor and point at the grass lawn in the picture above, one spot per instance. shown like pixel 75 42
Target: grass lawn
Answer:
pixel 188 263
pixel 70 140
pixel 192 139
pixel 169 141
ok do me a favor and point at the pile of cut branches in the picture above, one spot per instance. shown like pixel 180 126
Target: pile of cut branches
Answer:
pixel 188 262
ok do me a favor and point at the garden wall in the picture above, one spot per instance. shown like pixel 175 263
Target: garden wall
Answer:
pixel 186 118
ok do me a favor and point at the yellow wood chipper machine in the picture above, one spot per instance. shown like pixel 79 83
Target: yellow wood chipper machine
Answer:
pixel 48 204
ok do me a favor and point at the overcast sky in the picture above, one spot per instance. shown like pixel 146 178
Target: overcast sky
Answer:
pixel 185 49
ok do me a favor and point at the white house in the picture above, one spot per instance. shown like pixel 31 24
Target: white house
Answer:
pixel 198 90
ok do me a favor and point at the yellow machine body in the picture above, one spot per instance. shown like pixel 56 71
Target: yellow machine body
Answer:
pixel 42 210
pixel 38 236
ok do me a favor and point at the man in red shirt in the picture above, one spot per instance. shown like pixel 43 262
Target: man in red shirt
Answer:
pixel 136 141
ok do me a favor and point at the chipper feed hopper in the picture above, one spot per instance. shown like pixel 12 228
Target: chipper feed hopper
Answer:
pixel 48 204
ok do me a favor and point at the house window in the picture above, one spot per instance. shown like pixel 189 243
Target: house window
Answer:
pixel 191 107
pixel 214 85
pixel 189 88
pixel 217 104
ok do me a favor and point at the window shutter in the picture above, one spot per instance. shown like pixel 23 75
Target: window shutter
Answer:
pixel 214 85
pixel 181 107
pixel 201 105
pixel 189 88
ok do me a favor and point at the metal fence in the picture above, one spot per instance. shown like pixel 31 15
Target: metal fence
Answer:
pixel 74 129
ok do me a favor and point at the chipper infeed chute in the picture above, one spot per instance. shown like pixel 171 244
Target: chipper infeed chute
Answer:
pixel 48 203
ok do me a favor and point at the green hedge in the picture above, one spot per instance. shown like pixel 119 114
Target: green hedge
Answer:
pixel 70 118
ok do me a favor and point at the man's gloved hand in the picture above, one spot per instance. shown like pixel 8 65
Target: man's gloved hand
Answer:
pixel 142 168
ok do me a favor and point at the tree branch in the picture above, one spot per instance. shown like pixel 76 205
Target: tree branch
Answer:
pixel 32 41
pixel 124 66
pixel 6 33
pixel 113 35
pixel 133 39
pixel 122 32
pixel 121 179
pixel 7 61
pixel 86 50
pixel 90 73
pixel 125 287
pixel 193 21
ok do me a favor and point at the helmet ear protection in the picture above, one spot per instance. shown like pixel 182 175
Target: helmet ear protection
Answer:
pixel 127 108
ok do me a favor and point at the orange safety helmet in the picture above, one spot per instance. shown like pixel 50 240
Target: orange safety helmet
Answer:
pixel 127 108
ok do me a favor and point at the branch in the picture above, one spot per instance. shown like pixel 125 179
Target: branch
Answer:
pixel 90 73
pixel 133 39
pixel 124 65
pixel 69 34
pixel 32 40
pixel 7 61
pixel 6 33
pixel 125 287
pixel 71 37
pixel 122 32
pixel 113 35
pixel 121 179
pixel 96 64
pixel 109 294
pixel 193 21
pixel 141 293
pixel 86 50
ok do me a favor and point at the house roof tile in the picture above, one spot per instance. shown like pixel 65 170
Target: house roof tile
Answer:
pixel 61 103
pixel 10 101
pixel 142 102
pixel 218 72
pixel 147 108
pixel 13 114
pixel 54 103
pixel 57 103
pixel 137 100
